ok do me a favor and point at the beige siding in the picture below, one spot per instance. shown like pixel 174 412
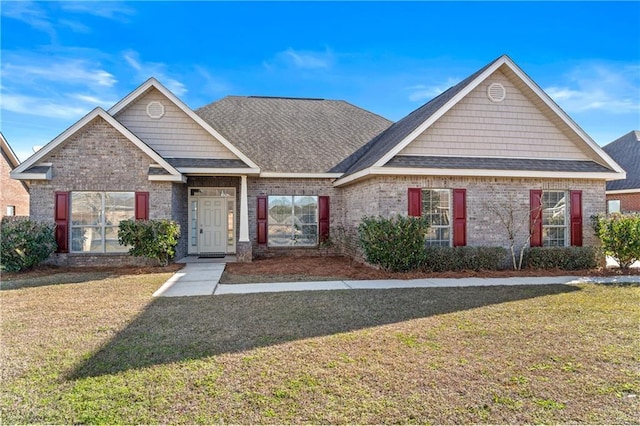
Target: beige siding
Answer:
pixel 173 135
pixel 514 128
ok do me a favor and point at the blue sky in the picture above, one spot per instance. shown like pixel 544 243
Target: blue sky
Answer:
pixel 61 59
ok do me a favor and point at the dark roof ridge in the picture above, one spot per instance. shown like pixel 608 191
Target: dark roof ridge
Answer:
pixel 295 98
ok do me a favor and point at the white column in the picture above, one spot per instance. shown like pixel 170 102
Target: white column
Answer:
pixel 244 211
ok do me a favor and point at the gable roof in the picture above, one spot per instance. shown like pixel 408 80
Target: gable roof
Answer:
pixel 381 149
pixel 31 169
pixel 8 152
pixel 293 135
pixel 626 151
pixel 153 83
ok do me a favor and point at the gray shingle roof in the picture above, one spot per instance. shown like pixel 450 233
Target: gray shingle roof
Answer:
pixel 626 152
pixel 375 149
pixel 38 169
pixel 213 163
pixel 158 171
pixel 482 163
pixel 293 134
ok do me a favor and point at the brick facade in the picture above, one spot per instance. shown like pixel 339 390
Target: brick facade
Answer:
pixel 99 158
pixel 387 196
pixel 13 192
pixel 318 187
pixel 629 203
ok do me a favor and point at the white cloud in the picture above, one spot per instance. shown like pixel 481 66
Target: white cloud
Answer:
pixel 310 60
pixel 132 59
pixel 33 105
pixel 75 26
pixel 92 100
pixel 145 70
pixel 211 84
pixel 422 92
pixel 30 13
pixel 599 87
pixel 76 71
pixel 109 9
pixel 36 14
pixel 51 86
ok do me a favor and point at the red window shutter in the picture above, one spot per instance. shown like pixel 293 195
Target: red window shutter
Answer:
pixel 61 218
pixel 459 217
pixel 535 201
pixel 415 202
pixel 323 217
pixel 576 218
pixel 142 206
pixel 261 215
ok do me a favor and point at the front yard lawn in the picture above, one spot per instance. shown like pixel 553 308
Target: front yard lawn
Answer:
pixel 99 349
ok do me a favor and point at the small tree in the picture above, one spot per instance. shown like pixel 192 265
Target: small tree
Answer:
pixel 396 244
pixel 516 223
pixel 156 239
pixel 25 243
pixel 620 237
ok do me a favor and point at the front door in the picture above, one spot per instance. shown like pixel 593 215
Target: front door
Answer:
pixel 212 226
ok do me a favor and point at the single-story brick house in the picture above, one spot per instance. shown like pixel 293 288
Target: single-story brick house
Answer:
pixel 261 176
pixel 14 195
pixel 623 196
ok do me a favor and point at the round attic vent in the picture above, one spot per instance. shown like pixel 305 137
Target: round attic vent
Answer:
pixel 155 109
pixel 496 92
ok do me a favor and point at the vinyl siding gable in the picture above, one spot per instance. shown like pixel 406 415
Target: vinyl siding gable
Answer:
pixel 479 127
pixel 175 134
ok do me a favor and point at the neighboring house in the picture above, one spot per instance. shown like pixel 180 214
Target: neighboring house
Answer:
pixel 14 195
pixel 259 176
pixel 623 196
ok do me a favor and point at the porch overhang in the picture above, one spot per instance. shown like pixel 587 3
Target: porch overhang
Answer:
pixel 213 167
pixel 206 171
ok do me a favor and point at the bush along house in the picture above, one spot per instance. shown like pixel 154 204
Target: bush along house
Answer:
pixel 263 176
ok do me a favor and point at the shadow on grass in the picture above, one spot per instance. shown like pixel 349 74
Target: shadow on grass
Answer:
pixel 177 329
pixel 15 283
pixel 45 276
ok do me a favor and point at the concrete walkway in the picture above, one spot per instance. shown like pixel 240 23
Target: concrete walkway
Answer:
pixel 195 279
pixel 202 279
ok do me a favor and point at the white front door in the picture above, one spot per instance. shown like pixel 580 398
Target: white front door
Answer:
pixel 212 226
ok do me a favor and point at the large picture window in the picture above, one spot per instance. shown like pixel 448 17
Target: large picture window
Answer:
pixel 554 218
pixel 293 221
pixel 436 207
pixel 95 217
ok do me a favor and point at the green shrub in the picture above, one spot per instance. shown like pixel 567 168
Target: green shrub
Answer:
pixel 156 239
pixel 441 259
pixel 25 243
pixel 620 237
pixel 565 258
pixel 395 244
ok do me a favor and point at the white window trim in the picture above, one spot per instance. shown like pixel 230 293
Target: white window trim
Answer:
pixel 566 216
pixel 103 227
pixel 450 226
pixel 317 223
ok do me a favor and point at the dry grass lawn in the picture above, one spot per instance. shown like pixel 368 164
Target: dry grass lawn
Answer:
pixel 94 347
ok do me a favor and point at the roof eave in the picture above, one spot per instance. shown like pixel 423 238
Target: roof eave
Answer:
pixel 219 171
pixel 623 191
pixel 410 171
pixel 30 176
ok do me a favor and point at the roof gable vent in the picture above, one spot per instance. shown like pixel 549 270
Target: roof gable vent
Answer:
pixel 496 92
pixel 155 109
